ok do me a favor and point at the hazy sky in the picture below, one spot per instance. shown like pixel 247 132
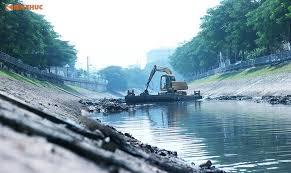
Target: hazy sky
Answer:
pixel 120 32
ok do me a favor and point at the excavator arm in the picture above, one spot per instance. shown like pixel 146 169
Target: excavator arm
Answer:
pixel 154 70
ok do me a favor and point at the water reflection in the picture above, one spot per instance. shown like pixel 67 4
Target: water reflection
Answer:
pixel 237 136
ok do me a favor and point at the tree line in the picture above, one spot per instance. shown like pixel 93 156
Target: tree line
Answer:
pixel 120 79
pixel 237 29
pixel 31 38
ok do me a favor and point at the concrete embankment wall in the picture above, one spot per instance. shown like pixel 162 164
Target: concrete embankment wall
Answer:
pixel 256 82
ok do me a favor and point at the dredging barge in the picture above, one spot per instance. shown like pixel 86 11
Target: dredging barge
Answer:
pixel 170 90
pixel 133 99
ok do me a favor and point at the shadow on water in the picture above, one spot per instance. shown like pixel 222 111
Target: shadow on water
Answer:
pixel 237 136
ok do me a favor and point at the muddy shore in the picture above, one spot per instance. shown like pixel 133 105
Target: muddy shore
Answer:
pixel 44 126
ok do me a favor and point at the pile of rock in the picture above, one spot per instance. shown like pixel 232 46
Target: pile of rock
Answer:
pixel 105 105
pixel 286 100
pixel 163 155
pixel 238 97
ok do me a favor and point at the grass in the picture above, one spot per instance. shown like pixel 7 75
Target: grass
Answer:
pixel 39 83
pixel 12 75
pixel 247 73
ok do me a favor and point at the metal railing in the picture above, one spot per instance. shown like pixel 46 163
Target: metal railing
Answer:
pixel 260 61
pixel 7 59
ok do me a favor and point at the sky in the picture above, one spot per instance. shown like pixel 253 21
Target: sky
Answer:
pixel 121 32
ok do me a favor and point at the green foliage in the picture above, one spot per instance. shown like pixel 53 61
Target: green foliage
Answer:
pixel 193 55
pixel 135 77
pixel 239 30
pixel 289 13
pixel 225 28
pixel 271 24
pixel 117 79
pixel 28 36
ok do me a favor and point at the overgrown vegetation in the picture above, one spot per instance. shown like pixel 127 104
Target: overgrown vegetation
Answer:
pixel 239 30
pixel 29 37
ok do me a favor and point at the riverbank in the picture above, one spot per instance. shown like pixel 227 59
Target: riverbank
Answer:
pixel 60 99
pixel 253 82
pixel 42 126
pixel 274 100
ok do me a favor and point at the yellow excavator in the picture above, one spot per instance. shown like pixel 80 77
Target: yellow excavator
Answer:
pixel 168 83
pixel 170 89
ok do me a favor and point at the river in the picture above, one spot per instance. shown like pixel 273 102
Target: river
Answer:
pixel 236 136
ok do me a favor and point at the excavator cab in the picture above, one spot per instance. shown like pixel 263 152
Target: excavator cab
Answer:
pixel 166 82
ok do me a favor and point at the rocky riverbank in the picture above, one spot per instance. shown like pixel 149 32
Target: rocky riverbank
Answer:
pixel 285 100
pixel 105 105
pixel 44 130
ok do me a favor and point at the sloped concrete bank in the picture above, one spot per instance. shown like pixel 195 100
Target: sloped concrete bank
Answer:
pixel 38 136
pixel 274 85
pixel 261 82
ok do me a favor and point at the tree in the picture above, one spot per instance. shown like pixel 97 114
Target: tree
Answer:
pixel 117 80
pixel 28 36
pixel 225 28
pixel 239 30
pixel 272 25
pixel 289 18
pixel 193 56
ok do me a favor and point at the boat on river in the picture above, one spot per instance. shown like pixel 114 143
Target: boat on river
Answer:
pixel 131 98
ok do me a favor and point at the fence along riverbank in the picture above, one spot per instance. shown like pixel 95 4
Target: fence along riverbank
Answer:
pixel 260 61
pixel 11 63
